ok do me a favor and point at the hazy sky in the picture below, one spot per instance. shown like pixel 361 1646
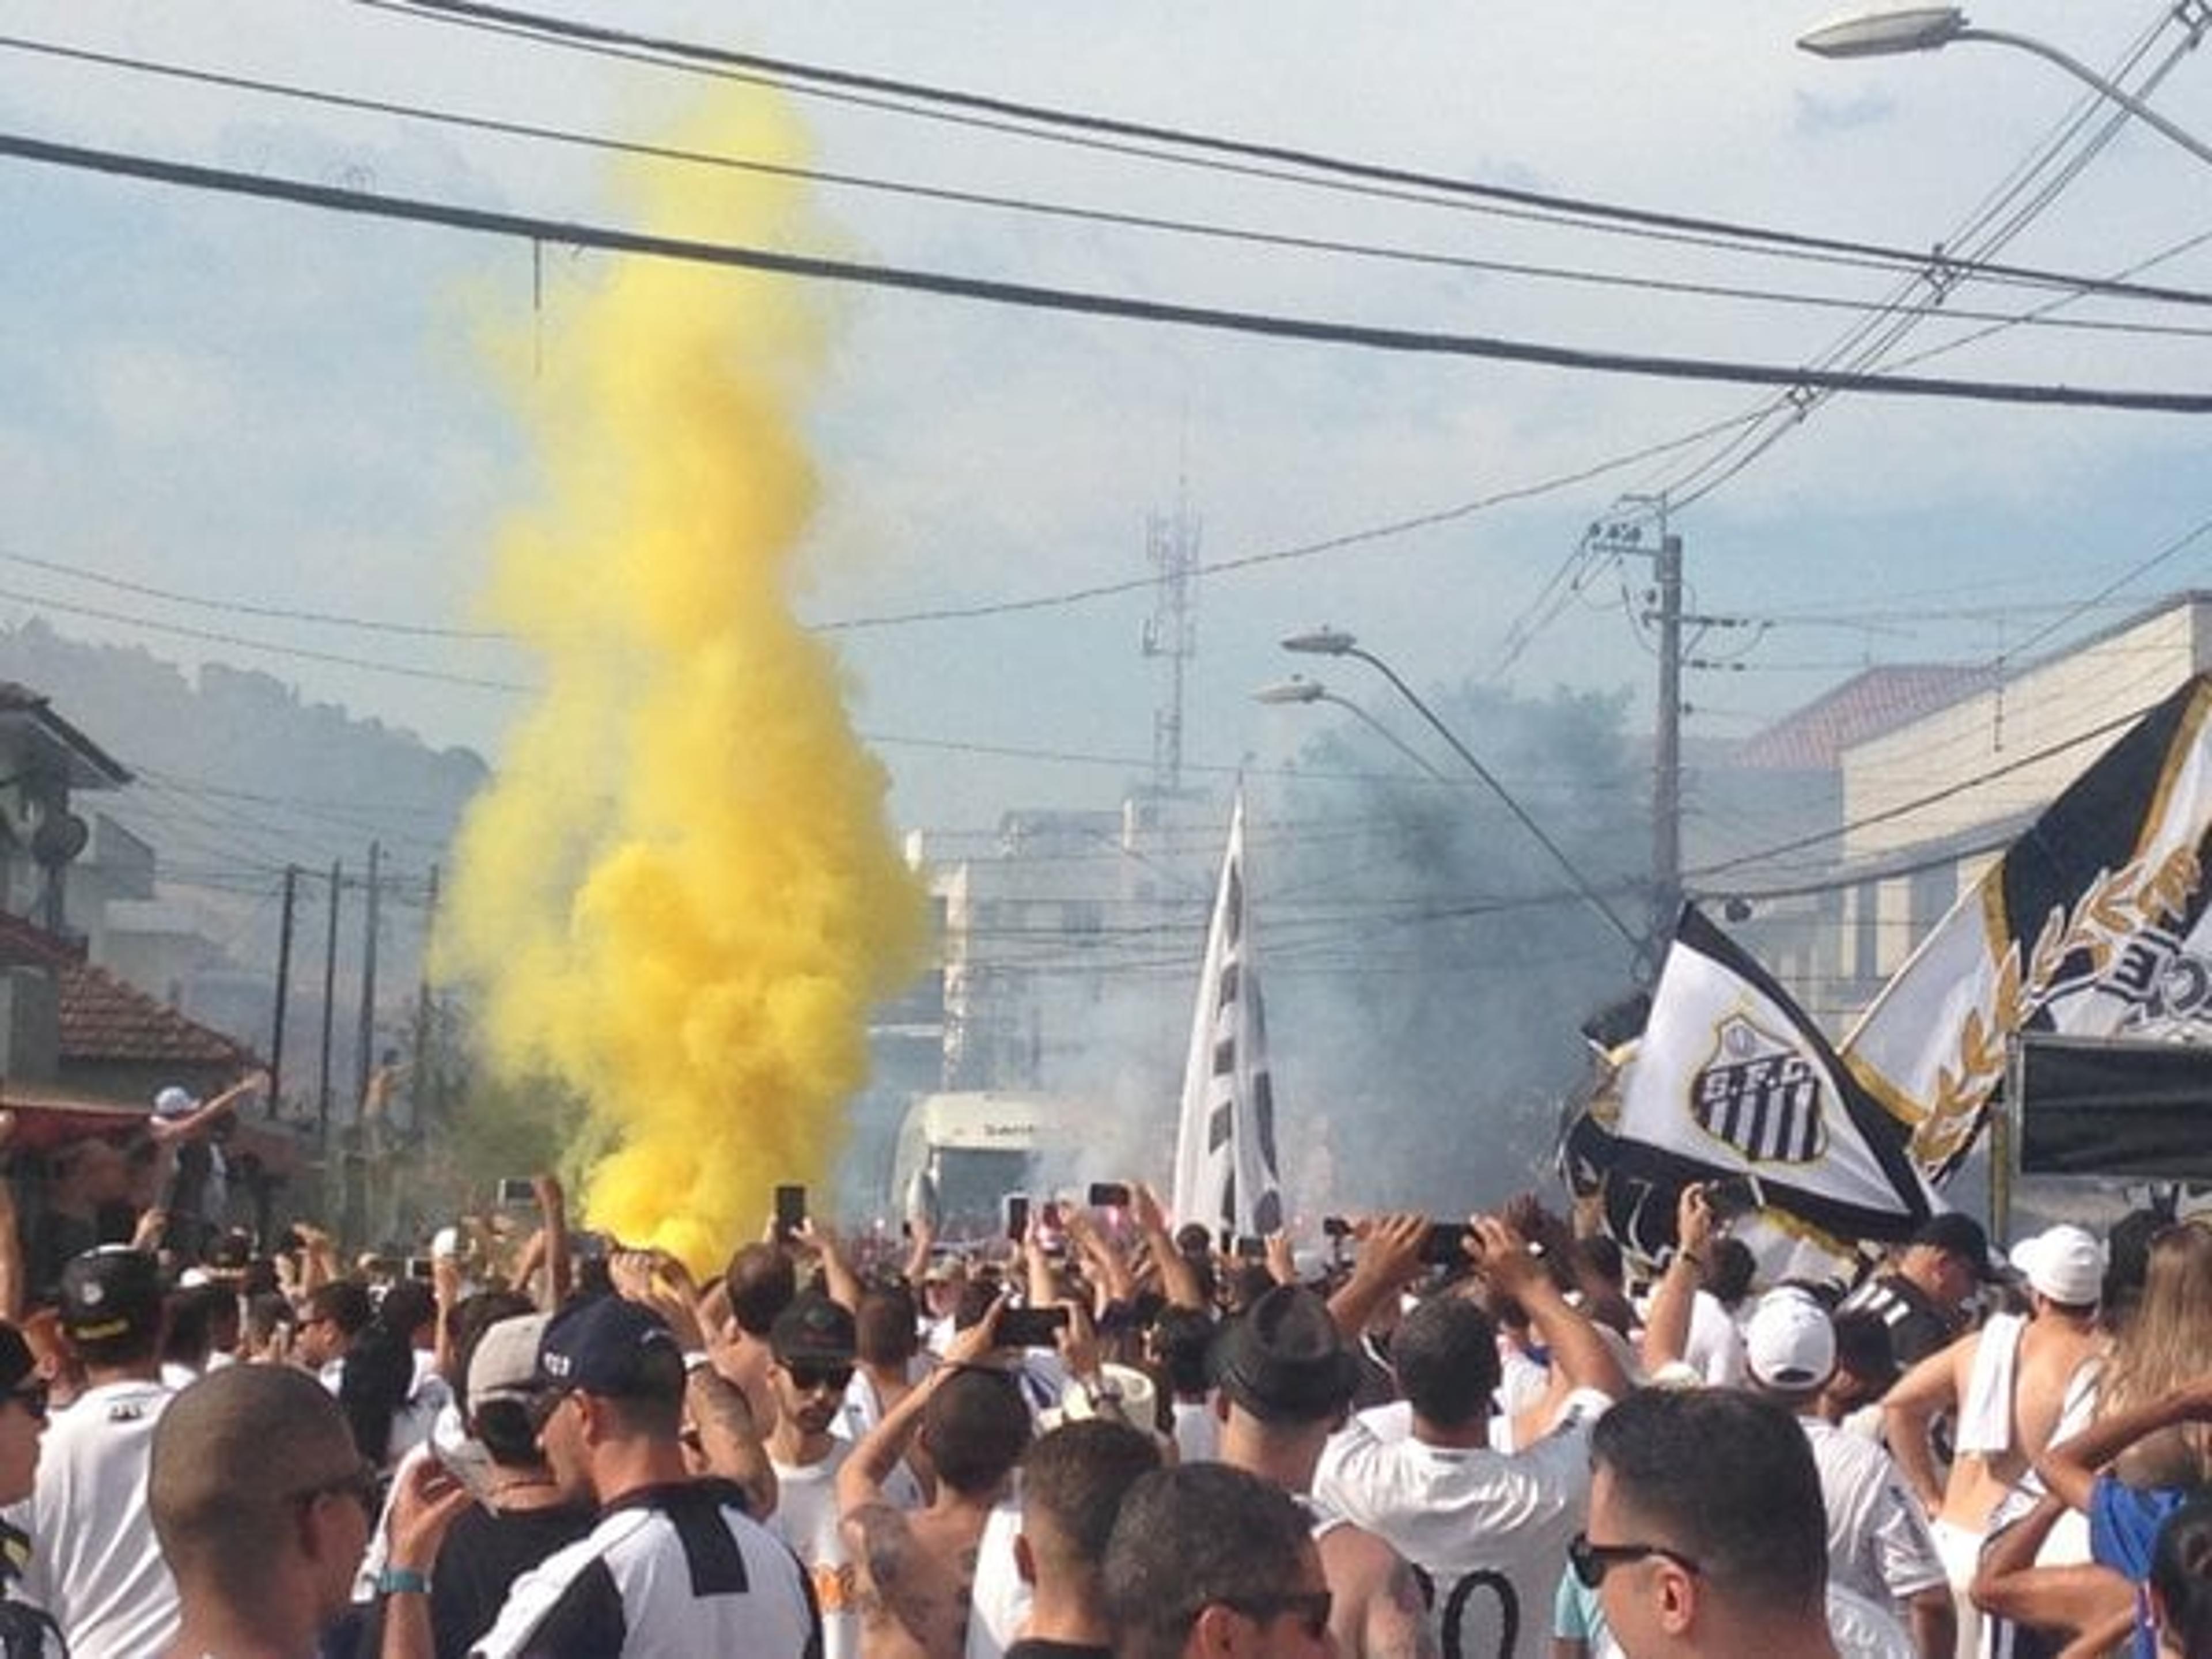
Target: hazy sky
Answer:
pixel 250 404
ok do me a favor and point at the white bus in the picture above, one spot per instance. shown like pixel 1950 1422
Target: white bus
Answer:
pixel 976 1147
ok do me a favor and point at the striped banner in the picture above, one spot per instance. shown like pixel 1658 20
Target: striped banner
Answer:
pixel 1224 1174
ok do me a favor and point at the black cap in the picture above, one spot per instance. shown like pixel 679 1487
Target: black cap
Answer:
pixel 813 1331
pixel 1283 1359
pixel 608 1345
pixel 1956 1233
pixel 112 1291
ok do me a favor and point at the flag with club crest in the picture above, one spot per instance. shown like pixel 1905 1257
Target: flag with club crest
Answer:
pixel 1731 1078
pixel 1225 1173
pixel 2093 924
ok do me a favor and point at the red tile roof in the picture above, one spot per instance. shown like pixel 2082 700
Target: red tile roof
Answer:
pixel 1867 705
pixel 103 1018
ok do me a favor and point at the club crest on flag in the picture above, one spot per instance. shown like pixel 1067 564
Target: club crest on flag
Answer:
pixel 1759 1095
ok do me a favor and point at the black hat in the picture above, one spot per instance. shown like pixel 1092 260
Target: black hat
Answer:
pixel 813 1331
pixel 608 1346
pixel 112 1291
pixel 1955 1233
pixel 1283 1360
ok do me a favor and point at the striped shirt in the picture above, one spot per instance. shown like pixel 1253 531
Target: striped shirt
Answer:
pixel 668 1571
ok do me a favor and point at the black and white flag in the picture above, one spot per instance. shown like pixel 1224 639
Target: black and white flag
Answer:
pixel 1224 1174
pixel 1730 1077
pixel 2093 924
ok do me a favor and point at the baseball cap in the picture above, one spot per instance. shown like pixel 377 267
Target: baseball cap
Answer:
pixel 1283 1360
pixel 1789 1343
pixel 813 1331
pixel 173 1102
pixel 110 1292
pixel 505 1364
pixel 1955 1233
pixel 608 1346
pixel 2064 1263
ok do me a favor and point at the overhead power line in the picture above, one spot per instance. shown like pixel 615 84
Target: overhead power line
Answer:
pixel 1031 296
pixel 1608 214
pixel 1638 282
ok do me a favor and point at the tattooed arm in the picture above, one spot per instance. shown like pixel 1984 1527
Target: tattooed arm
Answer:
pixel 729 1439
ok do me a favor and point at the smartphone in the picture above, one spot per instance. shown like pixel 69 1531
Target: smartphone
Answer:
pixel 1335 1226
pixel 1251 1247
pixel 587 1247
pixel 1016 1208
pixel 1734 1195
pixel 790 1210
pixel 1443 1245
pixel 1031 1328
pixel 1110 1195
pixel 419 1267
pixel 518 1192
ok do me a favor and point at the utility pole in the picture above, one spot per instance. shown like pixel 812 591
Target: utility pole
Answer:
pixel 366 1057
pixel 330 1009
pixel 1626 538
pixel 425 1070
pixel 283 987
pixel 1667 745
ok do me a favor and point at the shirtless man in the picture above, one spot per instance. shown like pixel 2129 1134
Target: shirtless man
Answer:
pixel 2045 1351
pixel 917 1569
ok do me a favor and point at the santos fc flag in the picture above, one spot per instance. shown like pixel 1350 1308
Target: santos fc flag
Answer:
pixel 1731 1078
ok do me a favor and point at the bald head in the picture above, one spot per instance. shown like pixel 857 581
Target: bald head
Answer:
pixel 232 1454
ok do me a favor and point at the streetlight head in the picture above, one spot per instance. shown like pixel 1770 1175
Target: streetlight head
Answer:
pixel 1884 33
pixel 1322 642
pixel 1297 689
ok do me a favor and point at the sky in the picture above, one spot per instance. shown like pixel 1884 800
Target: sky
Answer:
pixel 244 404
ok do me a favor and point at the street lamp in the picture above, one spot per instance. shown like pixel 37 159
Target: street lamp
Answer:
pixel 1928 28
pixel 1299 689
pixel 1335 643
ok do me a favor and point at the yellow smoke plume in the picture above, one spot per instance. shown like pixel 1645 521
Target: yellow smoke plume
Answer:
pixel 681 896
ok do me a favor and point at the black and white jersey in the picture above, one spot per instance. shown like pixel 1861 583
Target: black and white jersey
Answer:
pixel 668 1572
pixel 1918 1327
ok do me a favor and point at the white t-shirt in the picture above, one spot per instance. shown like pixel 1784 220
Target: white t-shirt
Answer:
pixel 1879 1545
pixel 94 1565
pixel 805 1518
pixel 1197 1431
pixel 1715 1348
pixel 861 1412
pixel 1490 1530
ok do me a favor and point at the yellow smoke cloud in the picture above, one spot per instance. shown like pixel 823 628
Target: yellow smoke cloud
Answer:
pixel 682 897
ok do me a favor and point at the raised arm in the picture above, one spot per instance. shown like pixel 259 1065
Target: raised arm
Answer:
pixel 1667 1323
pixel 1389 1260
pixel 1579 1354
pixel 1179 1281
pixel 2069 1470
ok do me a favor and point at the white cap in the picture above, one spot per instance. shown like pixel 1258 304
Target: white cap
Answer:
pixel 2064 1263
pixel 1789 1343
pixel 173 1102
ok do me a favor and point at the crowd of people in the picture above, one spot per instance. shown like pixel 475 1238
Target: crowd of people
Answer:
pixel 1107 1436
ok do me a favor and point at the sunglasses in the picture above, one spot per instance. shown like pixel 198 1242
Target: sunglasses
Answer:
pixel 1591 1562
pixel 1312 1608
pixel 32 1398
pixel 360 1484
pixel 808 1379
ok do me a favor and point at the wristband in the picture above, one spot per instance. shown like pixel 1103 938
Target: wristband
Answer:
pixel 695 1360
pixel 402 1581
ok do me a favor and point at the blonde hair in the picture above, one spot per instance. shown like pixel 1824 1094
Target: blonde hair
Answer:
pixel 2165 1341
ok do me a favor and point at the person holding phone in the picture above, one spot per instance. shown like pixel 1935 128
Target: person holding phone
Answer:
pixel 917 1570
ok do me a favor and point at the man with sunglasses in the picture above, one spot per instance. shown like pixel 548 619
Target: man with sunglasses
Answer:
pixel 97 1568
pixel 813 1343
pixel 262 1506
pixel 1707 1538
pixel 674 1564
pixel 26 1632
